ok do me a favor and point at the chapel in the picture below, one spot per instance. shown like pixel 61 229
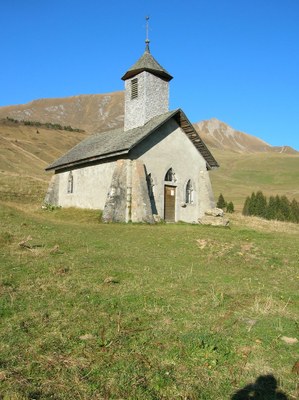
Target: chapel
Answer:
pixel 154 168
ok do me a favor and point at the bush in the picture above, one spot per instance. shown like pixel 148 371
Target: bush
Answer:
pixel 50 207
pixel 246 206
pixel 221 203
pixel 230 207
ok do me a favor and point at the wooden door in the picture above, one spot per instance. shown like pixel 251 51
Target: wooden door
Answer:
pixel 169 203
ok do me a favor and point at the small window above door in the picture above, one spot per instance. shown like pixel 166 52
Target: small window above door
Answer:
pixel 170 176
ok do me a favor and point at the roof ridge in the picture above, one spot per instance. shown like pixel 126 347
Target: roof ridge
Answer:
pixel 115 142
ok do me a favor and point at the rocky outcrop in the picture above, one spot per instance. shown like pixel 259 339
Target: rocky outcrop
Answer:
pixel 214 217
pixel 215 212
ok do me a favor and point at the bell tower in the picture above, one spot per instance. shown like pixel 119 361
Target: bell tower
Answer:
pixel 146 89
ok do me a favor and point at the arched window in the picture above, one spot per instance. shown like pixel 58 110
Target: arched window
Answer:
pixel 70 183
pixel 170 176
pixel 189 193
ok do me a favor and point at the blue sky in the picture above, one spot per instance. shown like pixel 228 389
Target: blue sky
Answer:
pixel 237 61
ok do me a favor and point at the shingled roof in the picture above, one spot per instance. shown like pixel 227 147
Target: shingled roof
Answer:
pixel 147 63
pixel 116 142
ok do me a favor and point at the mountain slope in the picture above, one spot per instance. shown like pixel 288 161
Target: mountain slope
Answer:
pixel 89 112
pixel 240 174
pixel 106 111
pixel 25 151
pixel 246 163
pixel 219 135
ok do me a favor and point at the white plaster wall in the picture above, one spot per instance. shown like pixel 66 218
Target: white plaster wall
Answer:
pixel 90 186
pixel 152 100
pixel 173 149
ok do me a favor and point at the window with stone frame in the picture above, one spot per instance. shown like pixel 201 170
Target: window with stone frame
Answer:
pixel 170 176
pixel 70 183
pixel 134 88
pixel 189 193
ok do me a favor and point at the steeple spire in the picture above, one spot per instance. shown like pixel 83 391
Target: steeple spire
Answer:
pixel 147 42
pixel 146 89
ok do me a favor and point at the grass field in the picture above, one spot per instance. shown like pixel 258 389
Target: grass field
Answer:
pixel 241 174
pixel 171 311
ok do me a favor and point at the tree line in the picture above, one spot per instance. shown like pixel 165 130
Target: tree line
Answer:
pixel 48 125
pixel 277 207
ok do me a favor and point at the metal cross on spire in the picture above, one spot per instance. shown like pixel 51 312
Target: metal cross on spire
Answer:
pixel 147 39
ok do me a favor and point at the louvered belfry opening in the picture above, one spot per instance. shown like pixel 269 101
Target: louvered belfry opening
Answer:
pixel 134 88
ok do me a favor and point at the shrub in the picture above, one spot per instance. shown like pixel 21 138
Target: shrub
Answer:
pixel 221 203
pixel 230 207
pixel 50 207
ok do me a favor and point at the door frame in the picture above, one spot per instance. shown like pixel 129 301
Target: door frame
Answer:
pixel 171 187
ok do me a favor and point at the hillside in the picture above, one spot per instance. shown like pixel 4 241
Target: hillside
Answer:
pixel 240 174
pixel 25 151
pixel 246 163
pixel 92 113
pixel 105 111
pixel 219 135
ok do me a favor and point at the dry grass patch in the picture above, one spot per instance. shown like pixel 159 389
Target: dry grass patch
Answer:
pixel 264 225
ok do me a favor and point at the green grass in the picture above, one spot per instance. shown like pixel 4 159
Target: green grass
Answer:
pixel 241 174
pixel 187 312
pixel 94 311
pixel 17 189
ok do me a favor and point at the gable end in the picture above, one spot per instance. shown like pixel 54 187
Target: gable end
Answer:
pixel 193 135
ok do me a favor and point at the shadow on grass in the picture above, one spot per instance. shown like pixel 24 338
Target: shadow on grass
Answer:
pixel 264 388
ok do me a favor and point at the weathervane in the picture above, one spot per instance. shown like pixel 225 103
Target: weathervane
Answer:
pixel 147 39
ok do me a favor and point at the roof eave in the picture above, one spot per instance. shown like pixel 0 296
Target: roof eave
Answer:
pixel 161 74
pixel 182 121
pixel 86 160
pixel 193 135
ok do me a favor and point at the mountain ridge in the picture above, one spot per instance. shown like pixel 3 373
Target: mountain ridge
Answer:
pixel 218 134
pixel 98 112
pixel 88 112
